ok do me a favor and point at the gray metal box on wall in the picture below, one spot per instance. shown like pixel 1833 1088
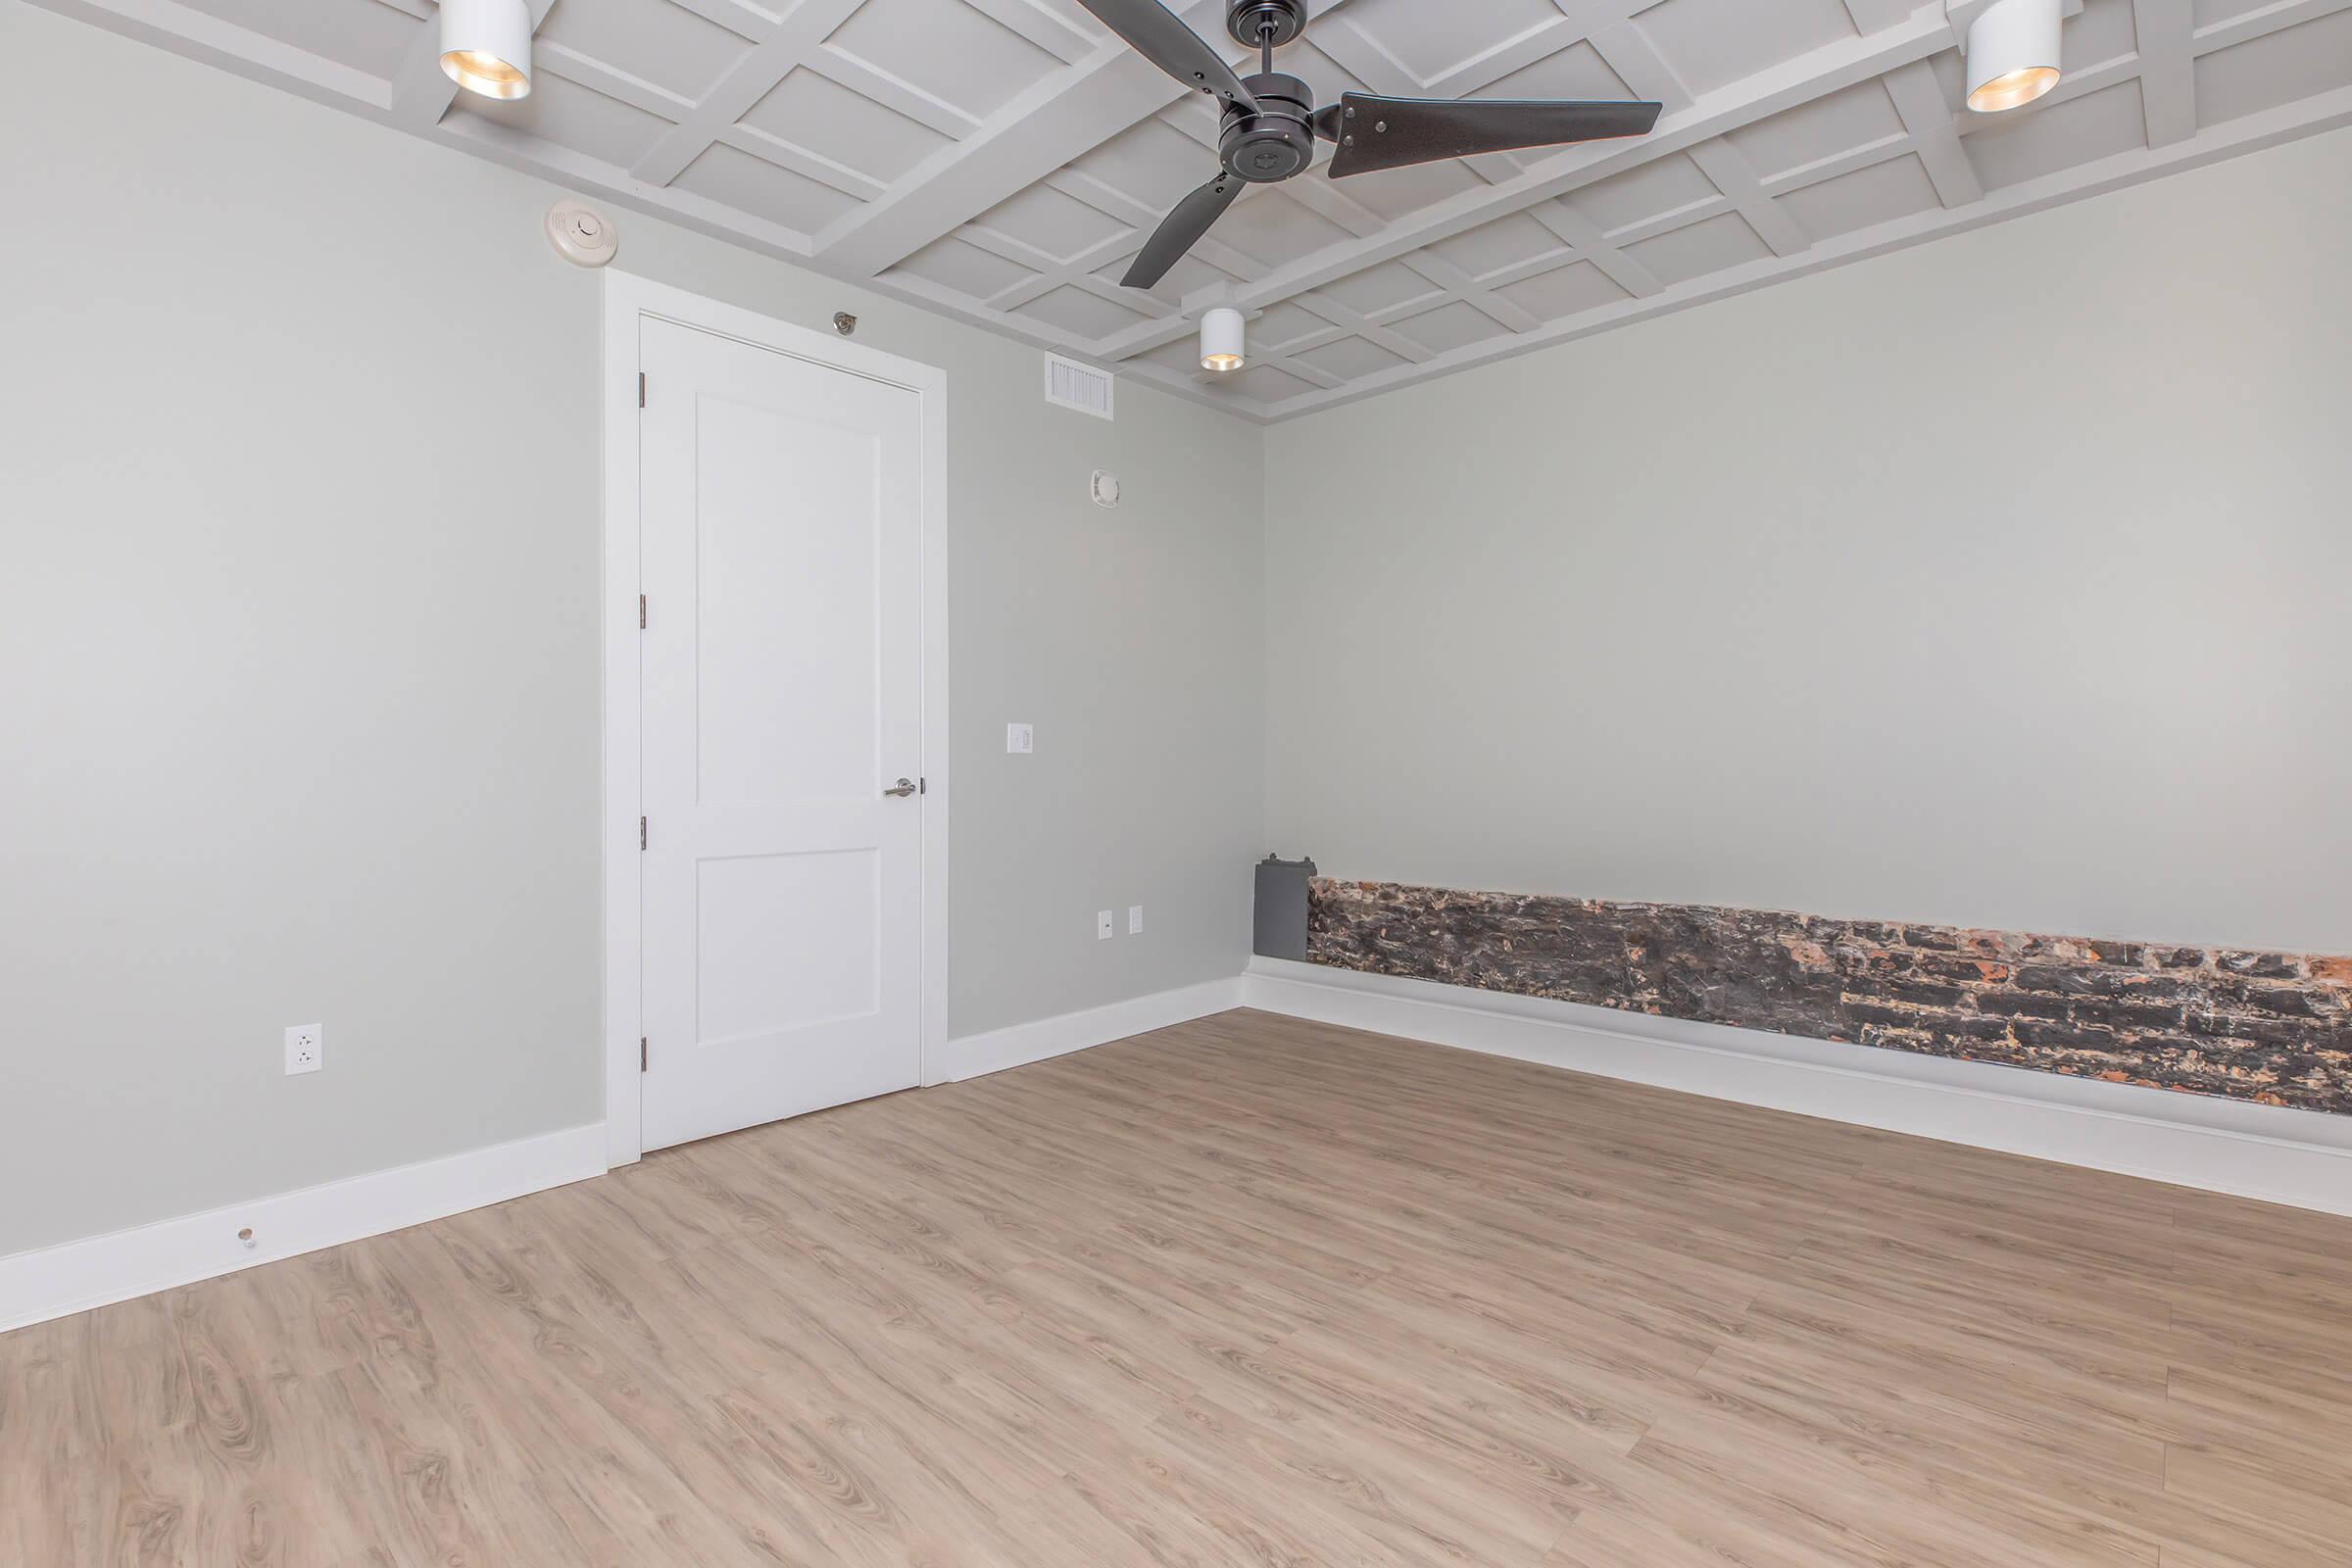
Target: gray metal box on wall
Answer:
pixel 1281 925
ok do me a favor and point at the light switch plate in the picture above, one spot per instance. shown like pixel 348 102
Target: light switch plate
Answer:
pixel 1135 919
pixel 1102 927
pixel 1020 739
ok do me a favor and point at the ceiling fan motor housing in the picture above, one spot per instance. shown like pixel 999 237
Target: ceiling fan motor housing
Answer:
pixel 1250 20
pixel 1278 141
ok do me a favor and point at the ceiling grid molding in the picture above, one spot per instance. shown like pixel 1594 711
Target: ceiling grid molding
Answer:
pixel 1627 51
pixel 2165 30
pixel 615 83
pixel 1934 133
pixel 1056 123
pixel 777 51
pixel 1378 295
pixel 1812 74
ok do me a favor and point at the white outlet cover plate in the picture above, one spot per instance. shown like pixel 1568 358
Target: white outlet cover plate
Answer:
pixel 1020 739
pixel 296 1036
pixel 1135 919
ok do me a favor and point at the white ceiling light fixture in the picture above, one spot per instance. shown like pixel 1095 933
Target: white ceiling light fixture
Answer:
pixel 1221 340
pixel 2012 53
pixel 486 46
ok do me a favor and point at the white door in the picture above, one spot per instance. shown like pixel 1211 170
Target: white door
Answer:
pixel 782 723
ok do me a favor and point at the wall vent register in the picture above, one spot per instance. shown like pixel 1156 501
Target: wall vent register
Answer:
pixel 1072 385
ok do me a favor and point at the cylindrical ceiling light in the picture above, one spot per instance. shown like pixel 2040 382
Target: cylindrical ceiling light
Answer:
pixel 486 46
pixel 1221 340
pixel 2012 54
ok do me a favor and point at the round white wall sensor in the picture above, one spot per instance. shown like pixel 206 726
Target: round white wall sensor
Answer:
pixel 1105 489
pixel 582 236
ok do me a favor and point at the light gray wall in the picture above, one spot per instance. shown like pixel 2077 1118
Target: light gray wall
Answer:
pixel 299 661
pixel 1999 581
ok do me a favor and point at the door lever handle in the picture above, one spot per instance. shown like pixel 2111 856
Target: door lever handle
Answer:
pixel 906 788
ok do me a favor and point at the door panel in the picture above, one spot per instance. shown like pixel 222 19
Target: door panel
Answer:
pixel 782 695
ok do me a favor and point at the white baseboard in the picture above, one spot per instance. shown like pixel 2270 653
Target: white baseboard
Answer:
pixel 2280 1156
pixel 74 1275
pixel 973 1055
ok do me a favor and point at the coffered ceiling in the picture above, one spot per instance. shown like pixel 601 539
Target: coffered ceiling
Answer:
pixel 1001 160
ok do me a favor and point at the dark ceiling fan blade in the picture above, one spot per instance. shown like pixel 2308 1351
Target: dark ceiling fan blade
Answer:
pixel 1152 32
pixel 1377 133
pixel 1180 231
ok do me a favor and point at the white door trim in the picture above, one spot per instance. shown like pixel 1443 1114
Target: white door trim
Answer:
pixel 628 299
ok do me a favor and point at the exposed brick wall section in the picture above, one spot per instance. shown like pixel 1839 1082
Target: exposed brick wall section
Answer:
pixel 2275 1027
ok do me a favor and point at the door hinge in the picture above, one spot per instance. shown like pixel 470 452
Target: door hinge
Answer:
pixel 641 389
pixel 641 832
pixel 641 611
pixel 641 1058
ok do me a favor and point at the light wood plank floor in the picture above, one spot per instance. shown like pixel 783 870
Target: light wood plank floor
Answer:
pixel 1243 1291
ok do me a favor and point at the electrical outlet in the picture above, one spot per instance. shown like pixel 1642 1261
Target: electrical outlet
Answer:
pixel 1020 739
pixel 1102 925
pixel 306 1048
pixel 1135 919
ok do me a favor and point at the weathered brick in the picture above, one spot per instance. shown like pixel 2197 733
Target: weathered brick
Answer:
pixel 2125 1012
pixel 1954 967
pixel 2025 1004
pixel 2069 1036
pixel 2265 965
pixel 1927 993
pixel 2270 1027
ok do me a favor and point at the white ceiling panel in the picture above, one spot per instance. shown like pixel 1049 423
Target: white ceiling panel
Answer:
pixel 1351 358
pixel 1879 193
pixel 1433 42
pixel 2105 30
pixel 651 40
pixel 1270 228
pixel 1075 310
pixel 1379 289
pixel 1713 43
pixel 1263 383
pixel 1289 325
pixel 1816 131
pixel 1060 226
pixel 1454 326
pixel 1003 160
pixel 1644 194
pixel 1408 190
pixel 818 112
pixel 1576 71
pixel 764 189
pixel 2274 70
pixel 2097 124
pixel 572 115
pixel 947 50
pixel 1563 291
pixel 1711 245
pixel 965 269
pixel 1497 247
pixel 365 34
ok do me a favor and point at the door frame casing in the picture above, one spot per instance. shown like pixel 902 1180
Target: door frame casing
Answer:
pixel 629 299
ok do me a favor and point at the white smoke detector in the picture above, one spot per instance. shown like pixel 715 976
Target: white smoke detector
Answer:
pixel 582 236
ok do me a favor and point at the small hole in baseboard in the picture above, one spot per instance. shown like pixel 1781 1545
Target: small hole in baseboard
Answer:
pixel 246 1235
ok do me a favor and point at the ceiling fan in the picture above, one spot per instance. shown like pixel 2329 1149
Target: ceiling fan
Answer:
pixel 1271 122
